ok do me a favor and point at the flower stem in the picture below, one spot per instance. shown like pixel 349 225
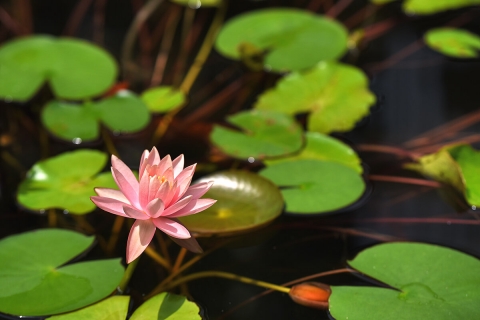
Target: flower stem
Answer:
pixel 226 275
pixel 117 227
pixel 158 258
pixel 52 218
pixel 127 276
pixel 180 257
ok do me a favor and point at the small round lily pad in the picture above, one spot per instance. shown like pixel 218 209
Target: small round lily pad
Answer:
pixel 167 306
pixel 314 186
pixel 163 99
pixel 285 39
pixel 452 42
pixel 245 201
pixel 75 69
pixel 65 181
pixel 113 308
pixel 336 95
pixel 427 282
pixel 36 282
pixel 322 147
pixel 424 7
pixel 265 134
pixel 123 112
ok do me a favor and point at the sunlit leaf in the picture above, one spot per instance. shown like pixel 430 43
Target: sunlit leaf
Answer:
pixel 314 186
pixel 35 280
pixel 285 39
pixel 381 1
pixel 335 94
pixel 434 6
pixel 165 306
pixel 74 68
pixel 123 112
pixel 428 282
pixel 65 181
pixel 244 201
pixel 198 3
pixel 113 308
pixel 163 99
pixel 456 165
pixel 453 42
pixel 322 147
pixel 265 134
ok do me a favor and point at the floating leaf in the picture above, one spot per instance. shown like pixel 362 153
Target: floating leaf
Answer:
pixel 286 39
pixel 123 112
pixel 453 42
pixel 428 282
pixel 456 165
pixel 167 306
pixel 163 99
pixel 113 308
pixel 424 7
pixel 74 68
pixel 244 201
pixel 336 95
pixel 265 134
pixel 381 1
pixel 322 147
pixel 198 3
pixel 36 282
pixel 314 186
pixel 65 181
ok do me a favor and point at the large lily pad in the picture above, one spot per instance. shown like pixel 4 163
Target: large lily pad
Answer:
pixel 456 165
pixel 452 42
pixel 424 7
pixel 323 147
pixel 428 282
pixel 169 306
pixel 75 69
pixel 113 308
pixel 335 94
pixel 65 181
pixel 287 39
pixel 265 134
pixel 244 201
pixel 163 99
pixel 314 186
pixel 123 112
pixel 35 280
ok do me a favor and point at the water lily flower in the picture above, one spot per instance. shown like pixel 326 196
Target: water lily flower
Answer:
pixel 162 194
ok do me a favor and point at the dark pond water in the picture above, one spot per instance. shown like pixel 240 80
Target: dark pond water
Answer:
pixel 423 91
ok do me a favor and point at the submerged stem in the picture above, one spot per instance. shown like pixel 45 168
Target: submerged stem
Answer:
pixel 127 276
pixel 117 227
pixel 158 258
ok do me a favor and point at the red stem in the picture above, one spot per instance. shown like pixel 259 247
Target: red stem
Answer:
pixel 76 17
pixel 338 8
pixel 418 182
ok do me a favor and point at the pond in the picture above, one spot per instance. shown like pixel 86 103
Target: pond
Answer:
pixel 340 177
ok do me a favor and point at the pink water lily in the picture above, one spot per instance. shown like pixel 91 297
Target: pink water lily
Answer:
pixel 162 194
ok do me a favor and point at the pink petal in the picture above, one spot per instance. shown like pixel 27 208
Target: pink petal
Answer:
pixel 189 244
pixel 193 207
pixel 111 193
pixel 144 189
pixel 183 181
pixel 135 213
pixel 163 191
pixel 164 165
pixel 125 180
pixel 168 198
pixel 155 208
pixel 177 165
pixel 153 158
pixel 198 190
pixel 143 158
pixel 172 228
pixel 139 238
pixel 110 205
pixel 153 188
pixel 177 206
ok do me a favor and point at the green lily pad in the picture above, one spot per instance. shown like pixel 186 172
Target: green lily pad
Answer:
pixel 452 42
pixel 244 201
pixel 74 68
pixel 456 165
pixel 429 282
pixel 314 186
pixel 36 282
pixel 198 3
pixel 265 134
pixel 167 306
pixel 113 308
pixel 335 94
pixel 163 99
pixel 285 39
pixel 424 7
pixel 65 181
pixel 123 112
pixel 323 147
